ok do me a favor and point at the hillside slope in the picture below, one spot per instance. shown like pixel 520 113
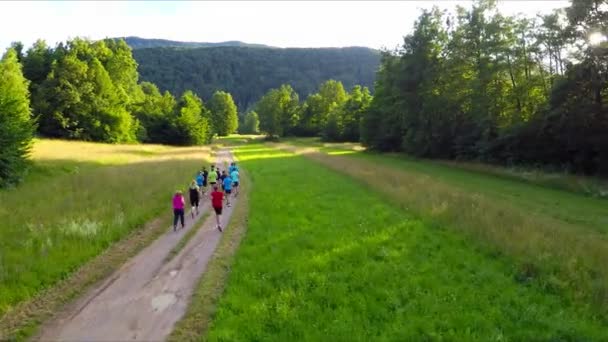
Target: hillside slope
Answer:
pixel 247 73
pixel 142 43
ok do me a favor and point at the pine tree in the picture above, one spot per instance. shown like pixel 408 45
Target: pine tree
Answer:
pixel 16 125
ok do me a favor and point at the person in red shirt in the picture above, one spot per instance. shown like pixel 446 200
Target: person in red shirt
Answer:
pixel 217 199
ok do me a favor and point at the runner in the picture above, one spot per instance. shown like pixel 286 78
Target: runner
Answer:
pixel 194 197
pixel 221 177
pixel 232 168
pixel 227 187
pixel 212 177
pixel 217 202
pixel 200 182
pixel 235 180
pixel 178 209
pixel 205 175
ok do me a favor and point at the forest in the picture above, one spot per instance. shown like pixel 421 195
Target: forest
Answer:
pixel 480 85
pixel 248 72
pixel 477 85
pixel 85 90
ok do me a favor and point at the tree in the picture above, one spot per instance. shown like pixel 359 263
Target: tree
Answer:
pixel 36 67
pixel 16 125
pixel 80 99
pixel 154 113
pixel 318 106
pixel 191 123
pixel 81 102
pixel 251 123
pixel 278 111
pixel 480 85
pixel 224 117
pixel 358 101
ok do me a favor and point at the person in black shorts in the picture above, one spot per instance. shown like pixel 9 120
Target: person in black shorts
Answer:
pixel 221 177
pixel 205 174
pixel 194 197
pixel 217 202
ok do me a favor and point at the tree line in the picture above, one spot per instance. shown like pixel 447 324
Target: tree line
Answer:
pixel 331 112
pixel 474 85
pixel 91 91
pixel 506 89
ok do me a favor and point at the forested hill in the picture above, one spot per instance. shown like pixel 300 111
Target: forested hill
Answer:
pixel 142 43
pixel 247 73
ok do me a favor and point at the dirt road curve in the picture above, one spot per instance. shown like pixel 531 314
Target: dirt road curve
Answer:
pixel 146 296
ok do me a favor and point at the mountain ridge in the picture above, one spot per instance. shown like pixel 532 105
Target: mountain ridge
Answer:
pixel 249 72
pixel 143 43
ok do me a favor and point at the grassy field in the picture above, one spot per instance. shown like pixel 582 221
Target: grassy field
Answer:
pixel 78 200
pixel 557 239
pixel 589 186
pixel 329 257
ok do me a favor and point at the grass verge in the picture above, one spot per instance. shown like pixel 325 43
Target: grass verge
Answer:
pixel 211 286
pixel 326 258
pixel 550 248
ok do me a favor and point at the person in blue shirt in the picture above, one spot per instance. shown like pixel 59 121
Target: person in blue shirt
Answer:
pixel 235 181
pixel 232 168
pixel 200 182
pixel 227 187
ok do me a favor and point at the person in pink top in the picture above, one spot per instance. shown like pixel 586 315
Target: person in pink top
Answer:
pixel 178 209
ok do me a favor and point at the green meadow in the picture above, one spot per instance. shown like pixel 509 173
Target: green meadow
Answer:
pixel 329 256
pixel 78 199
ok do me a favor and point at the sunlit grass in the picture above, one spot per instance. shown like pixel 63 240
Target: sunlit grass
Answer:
pixel 327 258
pixel 556 239
pixel 591 186
pixel 237 139
pixel 79 199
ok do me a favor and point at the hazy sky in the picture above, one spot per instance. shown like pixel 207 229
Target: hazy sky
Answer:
pixel 374 24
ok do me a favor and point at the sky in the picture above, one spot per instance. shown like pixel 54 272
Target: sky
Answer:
pixel 375 24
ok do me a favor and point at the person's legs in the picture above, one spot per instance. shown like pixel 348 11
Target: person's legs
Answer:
pixel 181 217
pixel 218 213
pixel 228 197
pixel 175 218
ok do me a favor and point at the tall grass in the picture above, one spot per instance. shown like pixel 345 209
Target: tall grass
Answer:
pixel 79 199
pixel 553 252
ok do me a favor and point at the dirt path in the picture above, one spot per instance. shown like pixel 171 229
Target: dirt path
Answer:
pixel 146 296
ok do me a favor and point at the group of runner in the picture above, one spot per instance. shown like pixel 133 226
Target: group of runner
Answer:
pixel 223 185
